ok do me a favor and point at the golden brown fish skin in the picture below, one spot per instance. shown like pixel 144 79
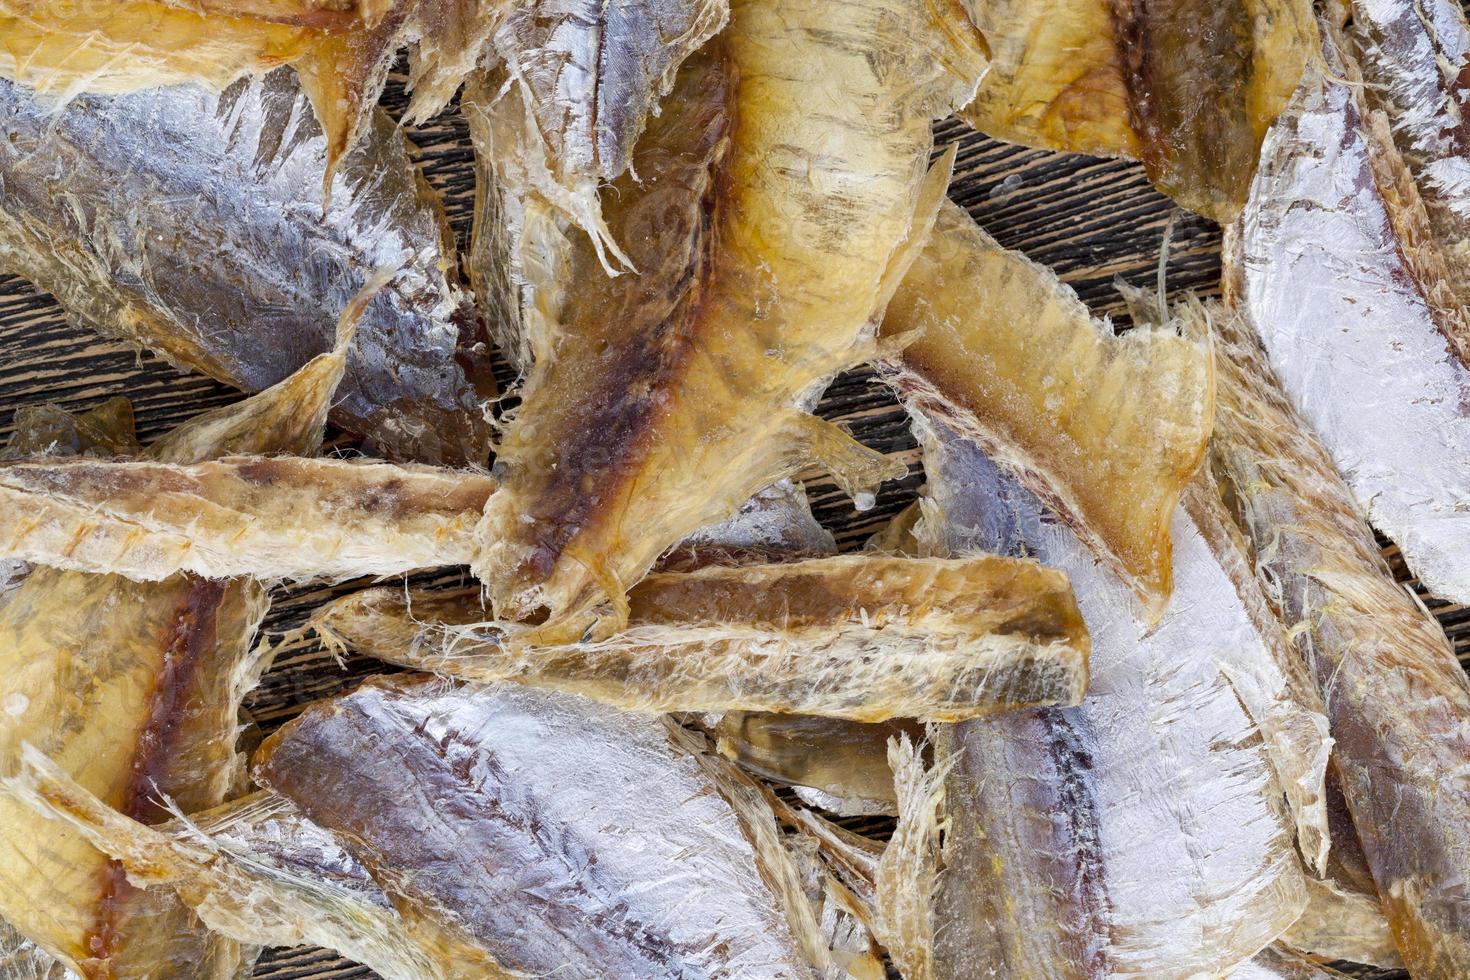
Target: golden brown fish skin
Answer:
pixel 259 516
pixel 671 396
pixel 1187 86
pixel 1061 399
pixel 845 760
pixel 855 637
pixel 1395 694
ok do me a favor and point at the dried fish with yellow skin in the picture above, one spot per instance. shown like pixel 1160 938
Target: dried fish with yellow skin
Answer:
pixel 1412 55
pixel 192 223
pixel 670 397
pixel 854 637
pixel 516 849
pixel 1395 694
pixel 1187 86
pixel 1140 834
pixel 845 762
pixel 135 688
pixel 264 517
pixel 1360 335
pixel 1108 430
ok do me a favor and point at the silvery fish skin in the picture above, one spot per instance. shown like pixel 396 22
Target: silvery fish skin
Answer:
pixel 1396 696
pixel 1139 834
pixel 1353 328
pixel 1413 55
pixel 660 881
pixel 192 223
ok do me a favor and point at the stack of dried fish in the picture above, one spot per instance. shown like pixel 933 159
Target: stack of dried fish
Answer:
pixel 1129 681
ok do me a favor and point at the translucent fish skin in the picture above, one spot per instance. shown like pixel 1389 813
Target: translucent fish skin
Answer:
pixel 661 882
pixel 1363 347
pixel 1060 399
pixel 21 959
pixel 671 396
pixel 1412 53
pixel 1187 86
pixel 191 223
pixel 855 637
pixel 775 524
pixel 1395 694
pixel 1139 834
pixel 844 761
pixel 268 517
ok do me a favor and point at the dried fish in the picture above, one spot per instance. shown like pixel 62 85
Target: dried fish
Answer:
pixel 267 517
pixel 191 223
pixel 845 762
pixel 136 689
pixel 1395 694
pixel 1276 963
pixel 775 524
pixel 670 396
pixel 21 959
pixel 1356 329
pixel 691 880
pixel 1412 55
pixel 1139 834
pixel 106 430
pixel 1108 430
pixel 854 636
pixel 1187 86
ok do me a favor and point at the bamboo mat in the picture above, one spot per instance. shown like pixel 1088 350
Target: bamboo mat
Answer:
pixel 1090 220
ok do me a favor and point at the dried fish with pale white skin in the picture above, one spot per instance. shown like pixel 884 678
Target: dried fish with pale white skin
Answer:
pixel 775 524
pixel 670 397
pixel 192 223
pixel 267 517
pixel 1139 834
pixel 1107 429
pixel 1412 55
pixel 855 636
pixel 1396 696
pixel 690 881
pixel 136 688
pixel 1187 86
pixel 1358 336
pixel 1277 963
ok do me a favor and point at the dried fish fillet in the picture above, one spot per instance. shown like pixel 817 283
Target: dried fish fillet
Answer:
pixel 518 848
pixel 1187 86
pixel 855 637
pixel 846 762
pixel 1395 694
pixel 1107 429
pixel 265 517
pixel 1364 345
pixel 135 688
pixel 192 223
pixel 1139 834
pixel 670 397
pixel 1412 55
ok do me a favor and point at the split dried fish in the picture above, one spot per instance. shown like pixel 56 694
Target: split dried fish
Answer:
pixel 192 223
pixel 1187 86
pixel 1396 696
pixel 1108 430
pixel 135 688
pixel 670 397
pixel 266 517
pixel 1139 834
pixel 1365 347
pixel 858 637
pixel 691 881
pixel 1412 55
